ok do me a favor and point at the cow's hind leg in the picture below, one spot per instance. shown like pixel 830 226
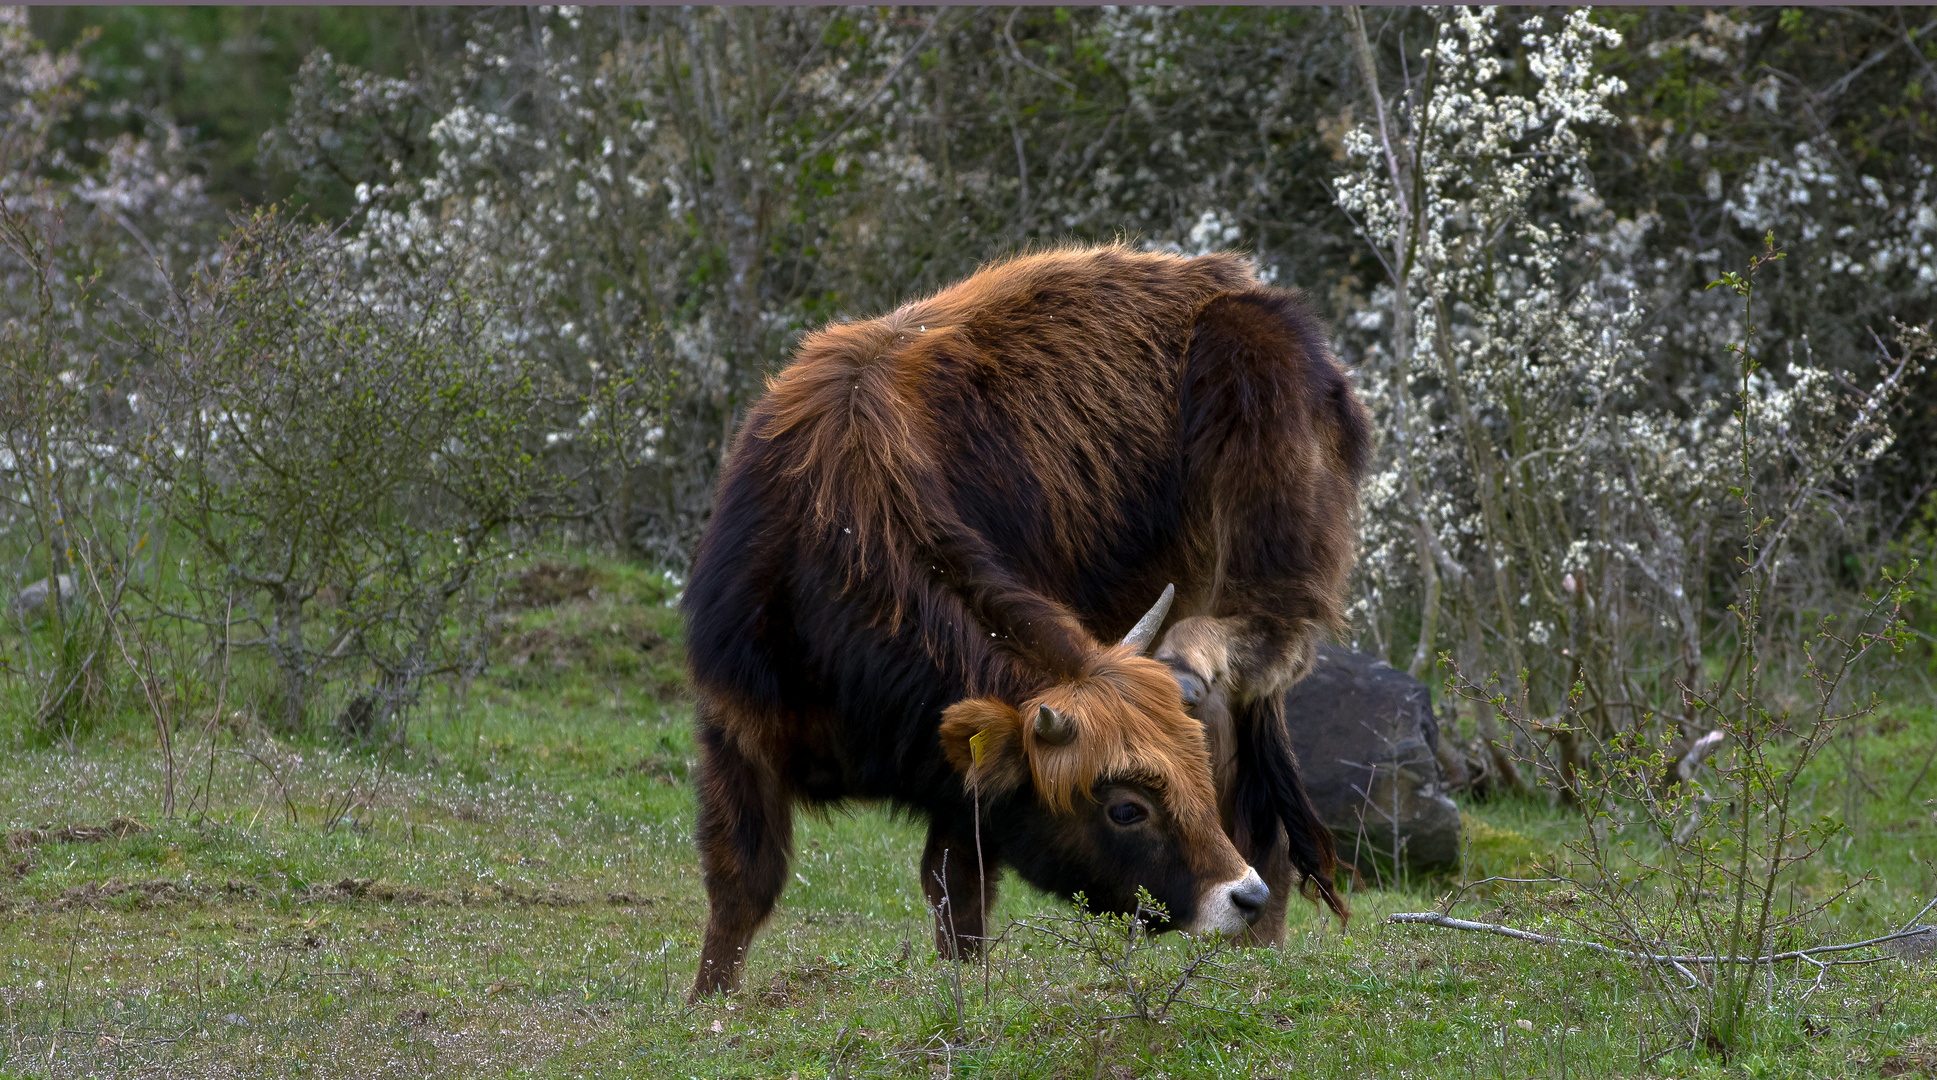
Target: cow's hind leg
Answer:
pixel 745 833
pixel 960 890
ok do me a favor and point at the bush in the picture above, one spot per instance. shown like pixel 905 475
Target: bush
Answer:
pixel 347 436
pixel 1541 510
pixel 116 220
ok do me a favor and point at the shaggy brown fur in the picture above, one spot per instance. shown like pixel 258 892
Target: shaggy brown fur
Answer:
pixel 1128 723
pixel 938 520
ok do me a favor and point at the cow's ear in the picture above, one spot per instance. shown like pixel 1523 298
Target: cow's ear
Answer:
pixel 983 740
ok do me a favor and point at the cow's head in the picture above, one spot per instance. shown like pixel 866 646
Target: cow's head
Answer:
pixel 1103 785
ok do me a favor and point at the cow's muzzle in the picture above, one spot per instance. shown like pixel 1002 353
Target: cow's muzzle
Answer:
pixel 1232 906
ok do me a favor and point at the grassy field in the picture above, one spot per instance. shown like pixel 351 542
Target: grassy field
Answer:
pixel 515 893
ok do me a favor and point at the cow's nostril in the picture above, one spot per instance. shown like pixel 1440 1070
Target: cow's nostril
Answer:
pixel 1250 896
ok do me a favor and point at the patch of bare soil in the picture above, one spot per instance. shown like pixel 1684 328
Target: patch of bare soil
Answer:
pixel 665 767
pixel 789 987
pixel 565 650
pixel 1917 1058
pixel 25 841
pixel 162 892
pixel 562 651
pixel 391 892
pixel 549 584
pixel 548 647
pixel 118 829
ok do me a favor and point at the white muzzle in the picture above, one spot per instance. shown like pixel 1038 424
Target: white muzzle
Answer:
pixel 1232 906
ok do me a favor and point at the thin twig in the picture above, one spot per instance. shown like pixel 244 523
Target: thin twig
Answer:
pixel 221 703
pixel 1007 27
pixel 144 675
pixel 288 804
pixel 1434 918
pixel 1836 88
pixel 1459 897
pixel 1918 917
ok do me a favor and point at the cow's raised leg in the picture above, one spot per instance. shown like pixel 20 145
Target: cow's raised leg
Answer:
pixel 746 835
pixel 958 892
pixel 1260 386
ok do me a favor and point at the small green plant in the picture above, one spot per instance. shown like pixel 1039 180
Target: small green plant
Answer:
pixel 1149 980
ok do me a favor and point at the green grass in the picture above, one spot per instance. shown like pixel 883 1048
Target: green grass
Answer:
pixel 515 893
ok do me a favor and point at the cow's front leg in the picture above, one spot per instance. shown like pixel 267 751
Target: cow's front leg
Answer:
pixel 746 832
pixel 960 889
pixel 1239 657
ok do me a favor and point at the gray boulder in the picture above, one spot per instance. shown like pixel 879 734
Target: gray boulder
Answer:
pixel 32 600
pixel 1368 751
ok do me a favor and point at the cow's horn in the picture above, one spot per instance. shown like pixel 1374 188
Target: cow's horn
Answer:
pixel 1053 727
pixel 1142 634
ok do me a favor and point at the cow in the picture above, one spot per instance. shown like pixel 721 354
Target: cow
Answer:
pixel 931 535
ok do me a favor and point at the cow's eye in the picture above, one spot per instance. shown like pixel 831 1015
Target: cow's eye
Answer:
pixel 1128 813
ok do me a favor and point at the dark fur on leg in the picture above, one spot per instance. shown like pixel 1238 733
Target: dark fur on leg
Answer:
pixel 959 894
pixel 745 834
pixel 1270 794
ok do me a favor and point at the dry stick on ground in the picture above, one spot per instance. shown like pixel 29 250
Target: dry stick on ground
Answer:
pixel 1434 918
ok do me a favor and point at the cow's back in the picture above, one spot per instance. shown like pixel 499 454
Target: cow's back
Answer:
pixel 1070 465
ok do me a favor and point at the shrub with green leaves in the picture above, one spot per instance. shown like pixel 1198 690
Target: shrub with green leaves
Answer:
pixel 347 435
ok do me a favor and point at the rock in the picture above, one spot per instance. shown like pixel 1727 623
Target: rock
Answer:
pixel 33 599
pixel 1368 751
pixel 1918 948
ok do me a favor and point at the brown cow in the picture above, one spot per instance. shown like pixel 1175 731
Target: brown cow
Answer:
pixel 932 526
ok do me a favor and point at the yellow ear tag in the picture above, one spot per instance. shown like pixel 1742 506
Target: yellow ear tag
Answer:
pixel 976 742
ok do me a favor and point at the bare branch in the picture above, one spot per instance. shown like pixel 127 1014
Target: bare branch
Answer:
pixel 1447 922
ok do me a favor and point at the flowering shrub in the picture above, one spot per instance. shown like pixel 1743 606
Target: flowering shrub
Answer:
pixel 1551 518
pixel 695 189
